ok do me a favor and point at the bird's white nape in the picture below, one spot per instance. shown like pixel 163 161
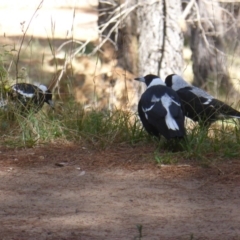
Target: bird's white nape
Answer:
pixel 178 82
pixel 42 87
pixel 155 82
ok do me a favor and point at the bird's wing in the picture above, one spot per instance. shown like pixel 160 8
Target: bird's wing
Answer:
pixel 200 93
pixel 163 109
pixel 194 98
pixel 175 107
pixel 42 87
pixel 147 125
pixel 152 106
pixel 26 90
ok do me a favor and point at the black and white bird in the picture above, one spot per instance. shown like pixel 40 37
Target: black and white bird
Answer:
pixel 198 104
pixel 27 97
pixel 160 109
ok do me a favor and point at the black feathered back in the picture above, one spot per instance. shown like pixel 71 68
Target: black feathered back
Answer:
pixel 155 123
pixel 28 97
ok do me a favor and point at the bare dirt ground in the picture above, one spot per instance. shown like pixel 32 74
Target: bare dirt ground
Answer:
pixel 106 194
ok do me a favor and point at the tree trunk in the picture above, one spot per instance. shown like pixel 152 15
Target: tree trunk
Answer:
pixel 154 32
pixel 159 37
pixel 207 45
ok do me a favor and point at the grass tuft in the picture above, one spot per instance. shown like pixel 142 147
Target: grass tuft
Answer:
pixel 220 141
pixel 71 122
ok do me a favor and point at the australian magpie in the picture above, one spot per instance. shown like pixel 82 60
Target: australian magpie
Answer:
pixel 160 109
pixel 198 104
pixel 28 97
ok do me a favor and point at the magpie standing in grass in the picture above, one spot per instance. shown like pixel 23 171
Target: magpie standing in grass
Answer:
pixel 27 97
pixel 160 109
pixel 198 104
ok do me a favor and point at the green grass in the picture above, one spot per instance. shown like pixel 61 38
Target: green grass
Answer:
pixel 220 141
pixel 103 129
pixel 71 123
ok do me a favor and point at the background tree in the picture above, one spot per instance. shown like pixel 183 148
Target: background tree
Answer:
pixel 151 29
pixel 160 39
pixel 207 45
pixel 118 31
pixel 210 24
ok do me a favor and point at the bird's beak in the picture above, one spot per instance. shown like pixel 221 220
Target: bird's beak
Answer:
pixel 140 79
pixel 51 103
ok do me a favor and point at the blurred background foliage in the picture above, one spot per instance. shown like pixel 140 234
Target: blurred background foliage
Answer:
pixel 91 50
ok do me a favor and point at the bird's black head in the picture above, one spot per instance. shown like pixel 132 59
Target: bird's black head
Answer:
pixel 148 79
pixel 48 98
pixel 176 82
pixel 169 81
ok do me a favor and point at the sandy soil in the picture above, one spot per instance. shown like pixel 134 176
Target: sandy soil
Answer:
pixel 71 192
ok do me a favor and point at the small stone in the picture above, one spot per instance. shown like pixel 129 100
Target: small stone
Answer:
pixel 61 164
pixel 81 173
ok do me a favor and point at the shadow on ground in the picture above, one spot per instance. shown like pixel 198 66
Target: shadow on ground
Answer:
pixel 105 194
